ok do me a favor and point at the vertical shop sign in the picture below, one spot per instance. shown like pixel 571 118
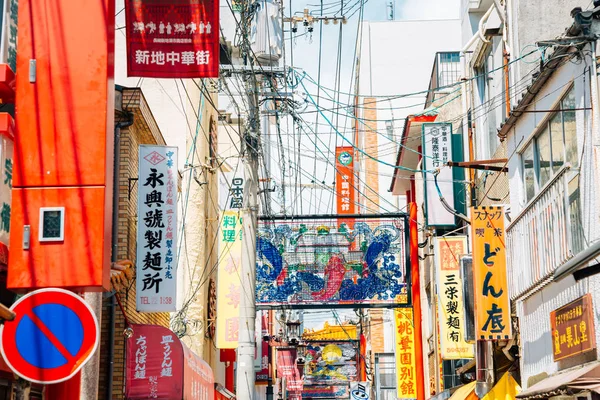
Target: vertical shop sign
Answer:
pixel 405 354
pixel 450 295
pixel 172 38
pixel 437 151
pixel 489 274
pixel 344 183
pixel 262 375
pixel 287 368
pixel 156 283
pixel 229 286
pixel 573 330
pixel 8 42
pixel 6 173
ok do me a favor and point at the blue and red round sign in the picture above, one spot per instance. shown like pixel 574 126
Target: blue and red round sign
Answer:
pixel 54 334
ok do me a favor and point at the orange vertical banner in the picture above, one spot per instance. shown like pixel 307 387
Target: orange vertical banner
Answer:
pixel 344 184
pixel 492 305
pixel 416 298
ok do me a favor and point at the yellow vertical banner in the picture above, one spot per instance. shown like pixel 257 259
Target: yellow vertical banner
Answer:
pixel 492 305
pixel 406 363
pixel 228 279
pixel 450 297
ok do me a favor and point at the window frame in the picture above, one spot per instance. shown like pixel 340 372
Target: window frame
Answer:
pixel 545 124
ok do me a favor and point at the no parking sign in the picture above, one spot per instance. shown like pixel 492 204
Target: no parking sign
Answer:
pixel 54 334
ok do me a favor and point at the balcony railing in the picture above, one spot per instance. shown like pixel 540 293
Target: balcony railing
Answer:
pixel 445 72
pixel 546 234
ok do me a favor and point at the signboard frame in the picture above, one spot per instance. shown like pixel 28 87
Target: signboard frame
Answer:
pixel 579 312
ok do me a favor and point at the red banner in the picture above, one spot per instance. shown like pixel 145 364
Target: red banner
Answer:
pixel 172 38
pixel 262 376
pixel 344 183
pixel 160 366
pixel 287 368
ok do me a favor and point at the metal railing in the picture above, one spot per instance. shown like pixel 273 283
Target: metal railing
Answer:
pixel 545 235
pixel 446 71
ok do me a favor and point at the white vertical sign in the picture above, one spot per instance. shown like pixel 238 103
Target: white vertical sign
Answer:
pixel 6 173
pixel 156 281
pixel 437 151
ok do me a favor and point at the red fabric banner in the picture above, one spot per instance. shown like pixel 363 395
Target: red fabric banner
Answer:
pixel 160 366
pixel 344 184
pixel 287 368
pixel 172 38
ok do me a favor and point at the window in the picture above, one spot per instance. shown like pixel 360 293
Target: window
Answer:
pixel 555 145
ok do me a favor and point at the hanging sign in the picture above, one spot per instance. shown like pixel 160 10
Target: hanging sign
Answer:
pixel 492 305
pixel 360 390
pixel 172 38
pixel 229 285
pixel 437 151
pixel 450 295
pixel 262 351
pixel 573 330
pixel 160 366
pixel 287 368
pixel 157 229
pixel 6 173
pixel 406 367
pixel 344 183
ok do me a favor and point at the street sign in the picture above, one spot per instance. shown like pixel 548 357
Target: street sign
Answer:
pixel 54 334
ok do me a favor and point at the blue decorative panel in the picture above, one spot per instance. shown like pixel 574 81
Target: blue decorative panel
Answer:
pixel 317 263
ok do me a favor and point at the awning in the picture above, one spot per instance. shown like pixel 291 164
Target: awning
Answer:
pixel 160 366
pixel 409 154
pixel 505 389
pixel 465 392
pixel 580 378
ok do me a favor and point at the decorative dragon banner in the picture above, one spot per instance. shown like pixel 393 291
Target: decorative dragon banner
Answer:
pixel 331 363
pixel 317 263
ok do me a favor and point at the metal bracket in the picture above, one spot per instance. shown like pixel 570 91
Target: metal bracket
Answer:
pixel 129 187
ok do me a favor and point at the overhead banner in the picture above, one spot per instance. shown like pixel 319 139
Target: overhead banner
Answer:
pixel 437 151
pixel 344 183
pixel 573 330
pixel 406 362
pixel 156 271
pixel 450 297
pixel 172 38
pixel 492 305
pixel 229 285
pixel 160 366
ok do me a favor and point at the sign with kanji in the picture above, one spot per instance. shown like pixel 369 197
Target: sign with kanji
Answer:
pixel 437 151
pixel 450 295
pixel 344 183
pixel 6 173
pixel 156 282
pixel 172 38
pixel 573 330
pixel 229 285
pixel 492 306
pixel 406 362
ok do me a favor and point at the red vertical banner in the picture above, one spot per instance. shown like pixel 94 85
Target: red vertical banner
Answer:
pixel 416 297
pixel 172 38
pixel 344 184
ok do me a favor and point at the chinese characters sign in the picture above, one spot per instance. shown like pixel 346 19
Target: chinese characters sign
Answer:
pixel 262 351
pixel 344 181
pixel 6 172
pixel 172 38
pixel 489 274
pixel 229 285
pixel 157 229
pixel 160 366
pixel 437 151
pixel 450 295
pixel 287 368
pixel 573 330
pixel 406 366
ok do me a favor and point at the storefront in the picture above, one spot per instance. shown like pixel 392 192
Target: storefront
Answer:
pixel 160 366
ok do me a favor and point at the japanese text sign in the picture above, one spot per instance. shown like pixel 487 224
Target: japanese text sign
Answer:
pixel 573 330
pixel 406 367
pixel 450 295
pixel 229 286
pixel 157 229
pixel 437 151
pixel 172 38
pixel 231 190
pixel 344 182
pixel 287 368
pixel 160 366
pixel 262 351
pixel 492 305
pixel 6 172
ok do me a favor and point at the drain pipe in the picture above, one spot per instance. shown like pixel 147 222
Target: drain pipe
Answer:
pixel 115 246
